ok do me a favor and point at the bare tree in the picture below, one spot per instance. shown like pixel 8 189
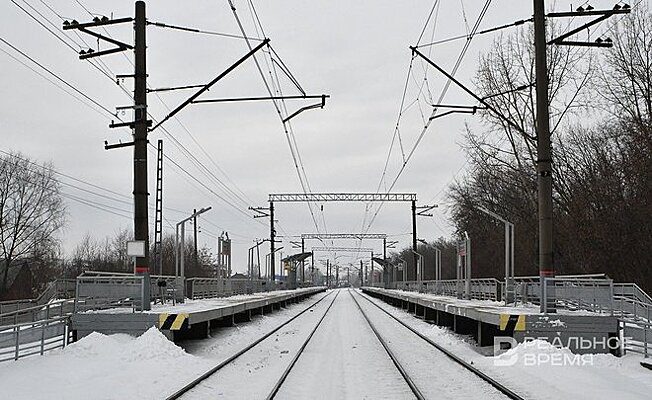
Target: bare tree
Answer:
pixel 31 210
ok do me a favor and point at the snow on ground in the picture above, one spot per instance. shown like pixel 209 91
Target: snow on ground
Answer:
pixel 344 361
pixel 493 306
pixel 200 304
pixel 436 376
pixel 254 374
pixel 102 367
pixel 602 376
pixel 123 367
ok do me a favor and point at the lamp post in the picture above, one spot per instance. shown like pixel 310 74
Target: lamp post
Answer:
pixel 419 268
pixel 437 262
pixel 180 271
pixel 509 254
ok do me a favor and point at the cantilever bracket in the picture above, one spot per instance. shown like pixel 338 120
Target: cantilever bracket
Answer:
pixel 90 53
pixel 260 212
pixel 424 210
pixel 582 12
pixel 471 93
pixel 108 146
pixel 306 108
pixel 206 87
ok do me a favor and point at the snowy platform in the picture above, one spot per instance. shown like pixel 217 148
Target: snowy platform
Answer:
pixel 581 331
pixel 194 318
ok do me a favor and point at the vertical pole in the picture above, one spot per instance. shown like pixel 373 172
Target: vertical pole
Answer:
pixel 362 276
pixel 158 218
pixel 385 273
pixel 228 256
pixel 182 254
pixel 141 225
pixel 328 273
pixel 544 157
pixel 272 234
pixel 312 269
pixel 371 261
pixel 176 253
pixel 467 269
pixel 194 239
pixel 507 260
pixel 337 276
pixel 258 254
pixel 414 235
pixel 303 265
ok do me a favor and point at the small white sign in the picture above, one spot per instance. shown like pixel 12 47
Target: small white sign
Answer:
pixel 136 248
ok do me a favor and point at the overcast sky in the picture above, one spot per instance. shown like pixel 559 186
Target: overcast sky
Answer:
pixel 355 51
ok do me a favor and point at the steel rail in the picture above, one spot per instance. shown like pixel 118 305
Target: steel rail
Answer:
pixel 392 356
pixel 189 386
pixel 281 380
pixel 499 386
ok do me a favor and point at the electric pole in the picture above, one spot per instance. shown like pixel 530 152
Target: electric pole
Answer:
pixel 194 225
pixel 544 160
pixel 414 236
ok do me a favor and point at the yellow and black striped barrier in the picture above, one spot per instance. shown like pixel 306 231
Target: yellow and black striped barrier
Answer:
pixel 512 322
pixel 172 322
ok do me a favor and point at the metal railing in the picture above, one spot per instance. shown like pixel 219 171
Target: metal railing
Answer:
pixel 595 295
pixel 202 288
pixel 60 289
pixel 481 288
pixel 102 292
pixel 31 338
pixel 35 313
pixel 162 287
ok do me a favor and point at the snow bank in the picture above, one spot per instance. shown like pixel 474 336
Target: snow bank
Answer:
pixel 104 367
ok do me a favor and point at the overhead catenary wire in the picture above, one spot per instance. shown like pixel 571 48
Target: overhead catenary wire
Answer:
pixel 57 77
pixel 202 31
pixel 83 97
pixel 435 109
pixel 287 127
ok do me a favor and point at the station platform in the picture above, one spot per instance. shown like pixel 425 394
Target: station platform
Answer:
pixel 191 319
pixel 486 320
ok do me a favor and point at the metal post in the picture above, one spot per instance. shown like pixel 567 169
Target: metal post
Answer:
pixel 303 267
pixel 509 262
pixel 544 157
pixel 385 271
pixel 141 225
pixel 272 234
pixel 258 254
pixel 194 240
pixel 467 267
pixel 328 273
pixel 414 234
pixel 176 252
pixel 362 276
pixel 182 254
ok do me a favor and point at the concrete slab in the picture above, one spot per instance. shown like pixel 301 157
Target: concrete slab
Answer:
pixel 182 320
pixel 521 322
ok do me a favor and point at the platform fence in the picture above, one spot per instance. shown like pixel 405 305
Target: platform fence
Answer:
pixel 595 293
pixel 202 288
pixel 34 338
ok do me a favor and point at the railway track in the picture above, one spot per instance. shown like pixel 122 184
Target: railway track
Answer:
pixel 206 375
pixel 456 359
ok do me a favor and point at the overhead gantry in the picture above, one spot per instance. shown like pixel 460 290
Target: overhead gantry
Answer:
pixel 337 197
